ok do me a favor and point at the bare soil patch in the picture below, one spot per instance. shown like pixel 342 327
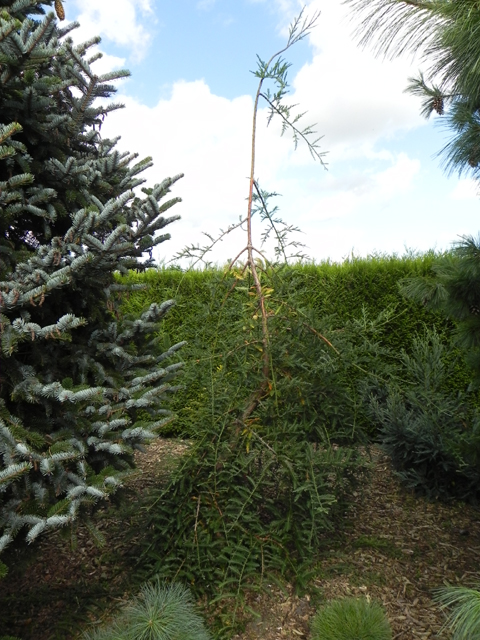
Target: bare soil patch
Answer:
pixel 393 547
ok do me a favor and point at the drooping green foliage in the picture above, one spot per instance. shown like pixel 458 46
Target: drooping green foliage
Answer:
pixel 255 495
pixel 351 619
pixel 81 386
pixel 453 288
pixel 159 612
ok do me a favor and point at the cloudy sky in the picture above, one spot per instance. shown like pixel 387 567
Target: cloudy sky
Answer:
pixel 189 105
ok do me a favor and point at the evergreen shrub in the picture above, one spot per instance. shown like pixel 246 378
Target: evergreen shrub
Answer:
pixel 259 494
pixel 431 435
pixel 351 619
pixel 81 385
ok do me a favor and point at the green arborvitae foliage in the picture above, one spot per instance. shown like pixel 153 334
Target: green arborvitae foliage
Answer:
pixel 358 291
pixel 81 387
pixel 351 619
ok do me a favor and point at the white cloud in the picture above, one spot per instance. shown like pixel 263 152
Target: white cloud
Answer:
pixel 466 189
pixel 123 22
pixel 359 105
pixel 396 179
pixel 207 137
pixel 108 63
pixel 199 134
pixel 206 5
pixel 356 99
pixel 339 194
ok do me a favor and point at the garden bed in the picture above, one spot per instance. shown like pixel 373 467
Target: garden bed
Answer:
pixel 392 547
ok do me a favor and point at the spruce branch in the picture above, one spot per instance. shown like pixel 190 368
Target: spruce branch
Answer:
pixel 94 388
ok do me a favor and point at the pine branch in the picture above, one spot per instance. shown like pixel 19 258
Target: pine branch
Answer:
pixel 394 27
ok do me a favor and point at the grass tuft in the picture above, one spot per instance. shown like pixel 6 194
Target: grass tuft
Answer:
pixel 351 619
pixel 464 619
pixel 160 612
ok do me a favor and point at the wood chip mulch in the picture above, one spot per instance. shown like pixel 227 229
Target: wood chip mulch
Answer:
pixel 393 547
pixel 55 588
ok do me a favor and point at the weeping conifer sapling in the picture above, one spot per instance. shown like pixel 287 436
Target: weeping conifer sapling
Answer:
pixel 272 457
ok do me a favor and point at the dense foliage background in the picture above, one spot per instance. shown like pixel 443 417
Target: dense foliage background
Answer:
pixel 362 292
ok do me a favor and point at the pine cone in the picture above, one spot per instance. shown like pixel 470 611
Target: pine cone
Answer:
pixel 438 105
pixel 59 10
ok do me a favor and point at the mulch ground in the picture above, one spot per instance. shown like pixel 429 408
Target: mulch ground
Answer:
pixel 393 547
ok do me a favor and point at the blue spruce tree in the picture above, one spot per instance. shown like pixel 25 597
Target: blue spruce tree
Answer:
pixel 80 387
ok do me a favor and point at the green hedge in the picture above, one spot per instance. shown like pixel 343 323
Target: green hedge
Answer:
pixel 346 289
pixel 329 288
pixel 359 289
